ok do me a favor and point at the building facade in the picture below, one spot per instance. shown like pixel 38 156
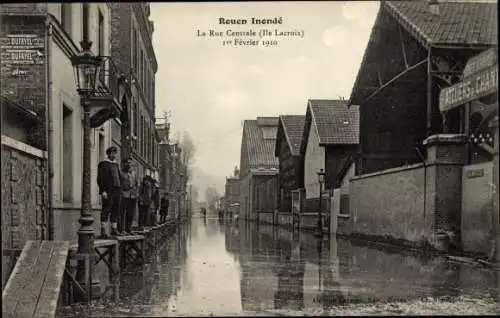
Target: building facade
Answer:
pixel 132 51
pixel 39 41
pixel 330 139
pixel 287 150
pixel 427 45
pixel 232 193
pixel 257 161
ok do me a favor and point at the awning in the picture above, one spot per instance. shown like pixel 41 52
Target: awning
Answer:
pixel 477 85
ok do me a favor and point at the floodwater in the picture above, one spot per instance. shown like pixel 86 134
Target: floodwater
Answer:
pixel 211 268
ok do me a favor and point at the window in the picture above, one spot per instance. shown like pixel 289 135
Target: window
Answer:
pixel 66 17
pixel 132 120
pixel 344 204
pixel 136 121
pixel 152 91
pixel 134 50
pixel 146 139
pixel 143 74
pixel 67 156
pixel 137 56
pixel 101 147
pixel 148 85
pixel 269 132
pixel 152 150
pixel 139 67
pixel 141 137
pixel 100 34
pixel 85 21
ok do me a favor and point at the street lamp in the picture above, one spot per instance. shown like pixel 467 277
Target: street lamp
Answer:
pixel 321 180
pixel 86 67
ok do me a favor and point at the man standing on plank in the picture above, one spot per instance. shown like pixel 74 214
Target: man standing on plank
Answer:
pixel 130 190
pixel 108 180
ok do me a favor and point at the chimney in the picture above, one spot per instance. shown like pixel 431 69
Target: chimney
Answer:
pixel 434 6
pixel 236 171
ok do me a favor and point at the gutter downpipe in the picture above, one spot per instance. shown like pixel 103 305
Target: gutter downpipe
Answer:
pixel 49 127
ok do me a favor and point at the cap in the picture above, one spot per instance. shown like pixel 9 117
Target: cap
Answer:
pixel 111 149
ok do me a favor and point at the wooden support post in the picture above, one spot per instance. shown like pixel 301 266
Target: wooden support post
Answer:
pixel 115 261
pixel 429 93
pixel 402 46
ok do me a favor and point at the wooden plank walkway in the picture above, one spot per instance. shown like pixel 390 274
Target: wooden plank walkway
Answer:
pixel 132 249
pixel 34 286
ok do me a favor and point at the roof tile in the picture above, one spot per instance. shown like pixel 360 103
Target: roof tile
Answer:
pixel 457 22
pixel 260 151
pixel 336 123
pixel 293 126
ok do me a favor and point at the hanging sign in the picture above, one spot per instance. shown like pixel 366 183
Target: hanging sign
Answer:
pixel 480 62
pixel 473 87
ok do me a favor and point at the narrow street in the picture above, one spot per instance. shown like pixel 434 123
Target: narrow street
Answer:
pixel 212 268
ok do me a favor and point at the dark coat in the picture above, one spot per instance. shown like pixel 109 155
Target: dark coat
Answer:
pixel 164 203
pixel 145 191
pixel 156 197
pixel 108 176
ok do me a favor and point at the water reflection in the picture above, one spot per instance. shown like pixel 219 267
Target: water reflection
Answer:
pixel 309 273
pixel 211 266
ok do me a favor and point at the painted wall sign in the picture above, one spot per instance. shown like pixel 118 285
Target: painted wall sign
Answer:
pixel 22 49
pixel 473 87
pixel 476 173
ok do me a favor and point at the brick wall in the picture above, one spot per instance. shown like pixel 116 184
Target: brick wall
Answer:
pixel 22 8
pixel 22 75
pixel 120 35
pixel 23 201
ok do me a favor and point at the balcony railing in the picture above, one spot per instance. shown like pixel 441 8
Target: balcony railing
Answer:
pixel 106 99
pixel 109 79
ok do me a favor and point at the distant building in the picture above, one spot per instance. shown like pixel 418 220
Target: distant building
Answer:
pixel 232 193
pixel 164 157
pixel 287 150
pixel 330 142
pixel 257 162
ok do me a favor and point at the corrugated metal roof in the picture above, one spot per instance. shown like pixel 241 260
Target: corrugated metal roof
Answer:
pixel 293 126
pixel 468 23
pixel 336 123
pixel 260 151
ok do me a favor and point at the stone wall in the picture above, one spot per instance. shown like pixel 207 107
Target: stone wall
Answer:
pixel 24 198
pixel 391 203
pixel 66 223
pixel 478 230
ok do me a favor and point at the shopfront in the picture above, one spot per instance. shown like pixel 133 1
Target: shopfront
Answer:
pixel 470 107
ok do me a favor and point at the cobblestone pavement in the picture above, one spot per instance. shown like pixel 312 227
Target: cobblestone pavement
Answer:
pixel 209 268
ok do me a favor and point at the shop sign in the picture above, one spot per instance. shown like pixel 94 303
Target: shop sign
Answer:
pixel 22 49
pixel 480 62
pixel 473 87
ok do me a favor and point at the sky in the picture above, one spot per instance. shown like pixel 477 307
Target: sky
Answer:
pixel 210 88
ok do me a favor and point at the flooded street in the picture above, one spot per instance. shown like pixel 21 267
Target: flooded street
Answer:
pixel 211 268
